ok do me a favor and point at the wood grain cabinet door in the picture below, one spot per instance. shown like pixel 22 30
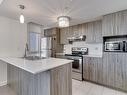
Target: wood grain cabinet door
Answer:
pixel 92 69
pixel 63 36
pixel 98 70
pixel 108 25
pixel 115 24
pixel 109 66
pixel 50 32
pixel 115 70
pixel 90 38
pixel 121 23
pixel 93 32
pixel 86 68
pixel 121 71
pixel 97 30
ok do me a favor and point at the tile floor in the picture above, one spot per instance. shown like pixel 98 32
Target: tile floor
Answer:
pixel 87 88
pixel 5 90
pixel 79 88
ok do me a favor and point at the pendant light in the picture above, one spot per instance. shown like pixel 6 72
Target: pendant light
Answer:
pixel 21 18
pixel 63 21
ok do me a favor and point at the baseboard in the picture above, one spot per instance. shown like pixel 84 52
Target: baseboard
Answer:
pixel 3 83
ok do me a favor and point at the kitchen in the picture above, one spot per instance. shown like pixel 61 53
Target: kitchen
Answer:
pixel 96 47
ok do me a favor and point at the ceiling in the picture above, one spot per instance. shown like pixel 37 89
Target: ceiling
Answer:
pixel 45 12
pixel 1 1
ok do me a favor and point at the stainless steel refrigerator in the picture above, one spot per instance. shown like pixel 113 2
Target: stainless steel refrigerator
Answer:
pixel 46 47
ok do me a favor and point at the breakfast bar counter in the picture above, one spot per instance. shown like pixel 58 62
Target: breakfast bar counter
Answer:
pixel 49 76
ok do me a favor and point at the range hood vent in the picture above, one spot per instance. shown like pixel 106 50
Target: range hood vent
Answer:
pixel 76 39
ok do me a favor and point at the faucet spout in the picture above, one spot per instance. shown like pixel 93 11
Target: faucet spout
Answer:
pixel 26 50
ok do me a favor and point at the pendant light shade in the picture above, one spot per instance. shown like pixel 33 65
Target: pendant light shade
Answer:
pixel 22 19
pixel 63 21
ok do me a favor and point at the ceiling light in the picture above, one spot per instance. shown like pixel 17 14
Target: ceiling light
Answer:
pixel 63 21
pixel 21 18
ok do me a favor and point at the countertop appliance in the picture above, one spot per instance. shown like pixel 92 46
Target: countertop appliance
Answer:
pixel 77 64
pixel 46 47
pixel 114 46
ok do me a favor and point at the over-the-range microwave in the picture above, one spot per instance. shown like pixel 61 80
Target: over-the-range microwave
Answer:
pixel 118 46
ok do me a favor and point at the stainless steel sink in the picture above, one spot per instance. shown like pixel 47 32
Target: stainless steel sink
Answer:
pixel 33 58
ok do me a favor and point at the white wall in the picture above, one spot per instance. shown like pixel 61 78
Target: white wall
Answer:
pixel 93 48
pixel 13 37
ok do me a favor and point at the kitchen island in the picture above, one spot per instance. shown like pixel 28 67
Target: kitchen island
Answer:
pixel 49 76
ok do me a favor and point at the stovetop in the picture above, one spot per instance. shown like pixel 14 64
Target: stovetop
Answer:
pixel 78 51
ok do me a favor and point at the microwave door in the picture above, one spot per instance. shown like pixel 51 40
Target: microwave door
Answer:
pixel 113 46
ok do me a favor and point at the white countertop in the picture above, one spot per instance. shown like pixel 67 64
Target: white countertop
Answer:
pixel 89 55
pixel 92 55
pixel 36 66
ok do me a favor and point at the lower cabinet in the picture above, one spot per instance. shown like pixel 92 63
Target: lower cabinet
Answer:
pixel 61 80
pixel 111 70
pixel 115 70
pixel 92 69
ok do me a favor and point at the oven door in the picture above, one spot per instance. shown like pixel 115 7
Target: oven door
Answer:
pixel 77 65
pixel 113 46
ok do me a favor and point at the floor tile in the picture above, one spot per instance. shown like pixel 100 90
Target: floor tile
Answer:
pixel 78 88
pixel 87 88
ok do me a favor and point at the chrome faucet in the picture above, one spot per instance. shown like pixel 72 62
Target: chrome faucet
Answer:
pixel 26 50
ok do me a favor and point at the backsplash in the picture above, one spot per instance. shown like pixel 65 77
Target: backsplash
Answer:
pixel 94 49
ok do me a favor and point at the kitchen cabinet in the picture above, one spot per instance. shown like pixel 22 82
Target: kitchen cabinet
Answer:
pixel 108 25
pixel 64 35
pixel 109 64
pixel 111 70
pixel 115 24
pixel 97 28
pixel 115 72
pixel 50 32
pixel 75 30
pixel 92 69
pixel 90 33
pixel 92 30
pixel 54 33
pixel 122 23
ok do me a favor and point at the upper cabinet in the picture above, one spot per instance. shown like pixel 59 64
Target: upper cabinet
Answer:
pixel 115 24
pixel 54 33
pixel 97 29
pixel 64 35
pixel 92 30
pixel 50 32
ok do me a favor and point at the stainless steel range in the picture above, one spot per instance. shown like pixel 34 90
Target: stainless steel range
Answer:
pixel 77 64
